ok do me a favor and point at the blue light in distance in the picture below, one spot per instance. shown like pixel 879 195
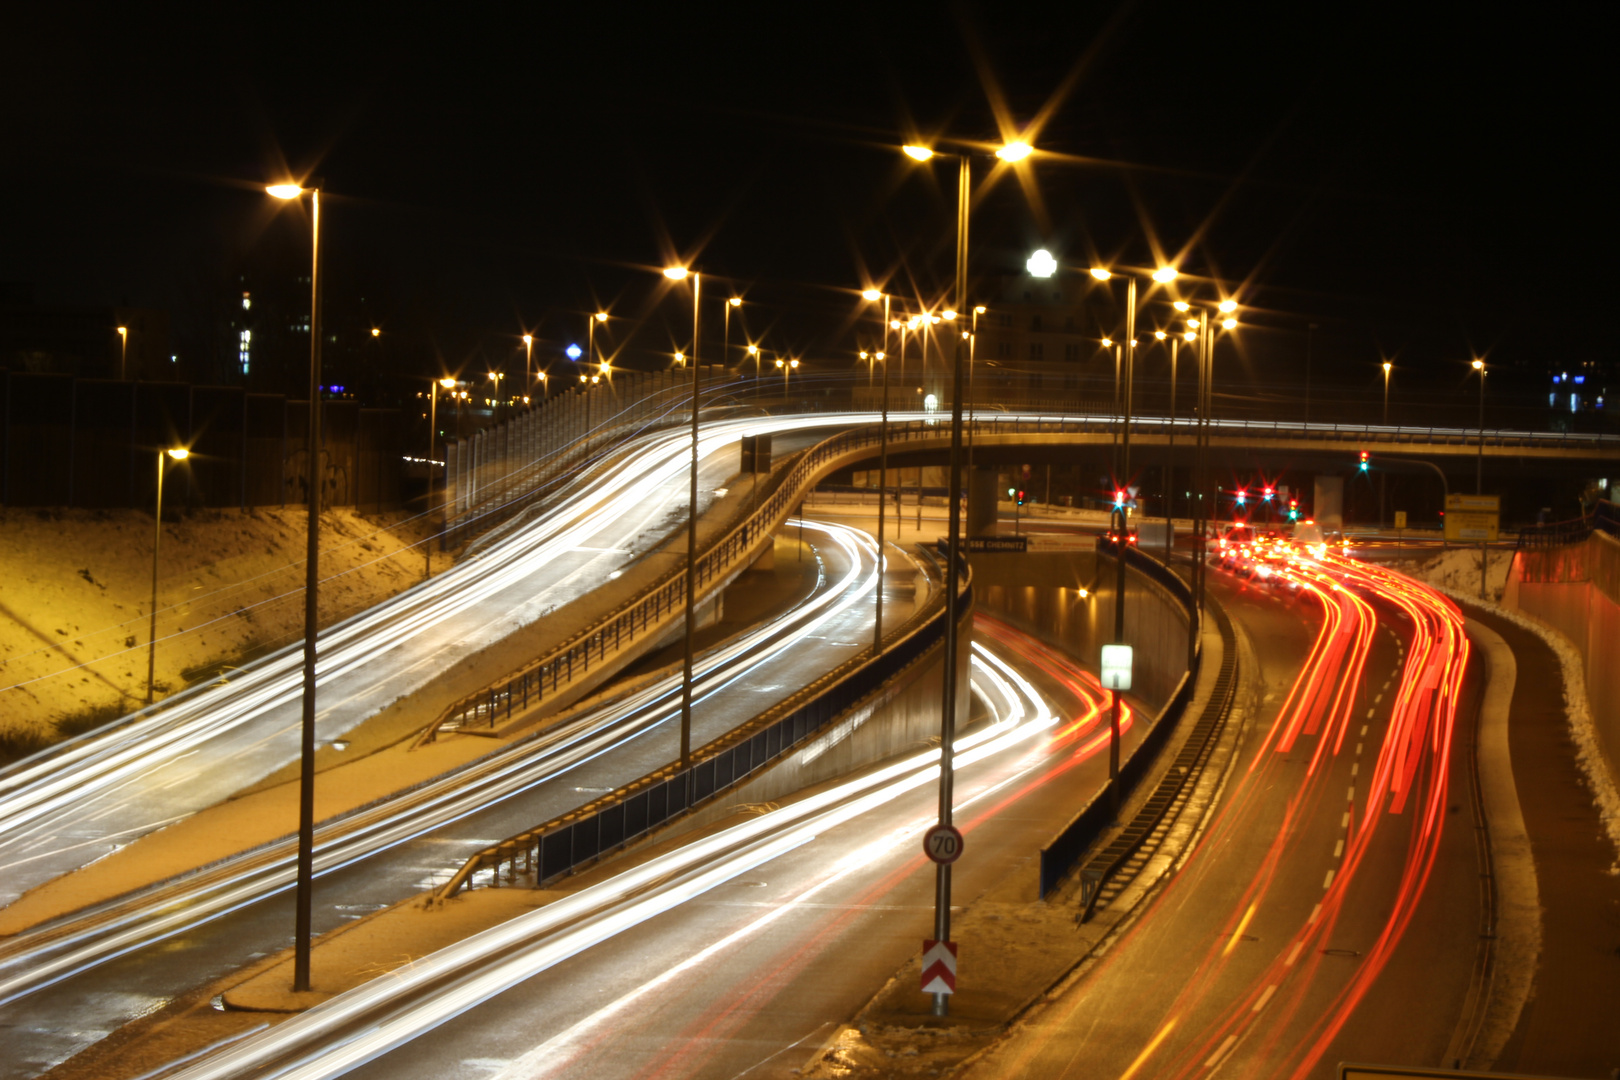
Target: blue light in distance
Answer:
pixel 574 352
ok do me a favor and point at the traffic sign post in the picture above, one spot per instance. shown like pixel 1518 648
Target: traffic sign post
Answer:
pixel 943 844
pixel 939 967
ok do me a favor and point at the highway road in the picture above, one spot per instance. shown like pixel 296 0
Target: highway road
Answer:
pixel 1331 910
pixel 116 962
pixel 740 951
pixel 75 803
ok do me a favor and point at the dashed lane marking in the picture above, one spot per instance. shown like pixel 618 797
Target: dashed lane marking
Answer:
pixel 1220 1055
pixel 1265 997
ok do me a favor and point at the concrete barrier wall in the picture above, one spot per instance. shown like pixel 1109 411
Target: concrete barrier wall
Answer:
pixel 1576 590
pixel 1155 624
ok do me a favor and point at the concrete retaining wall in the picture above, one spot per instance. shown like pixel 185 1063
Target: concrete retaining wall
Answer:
pixel 1154 622
pixel 1576 590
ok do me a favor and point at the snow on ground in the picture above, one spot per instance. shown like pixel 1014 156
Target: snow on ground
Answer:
pixel 1456 573
pixel 75 602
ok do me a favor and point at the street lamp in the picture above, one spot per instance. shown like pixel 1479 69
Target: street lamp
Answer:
pixel 725 336
pixel 306 771
pixel 434 387
pixel 1011 152
pixel 123 350
pixel 590 333
pixel 1383 473
pixel 528 362
pixel 179 453
pixel 1118 521
pixel 1479 466
pixel 872 296
pixel 680 273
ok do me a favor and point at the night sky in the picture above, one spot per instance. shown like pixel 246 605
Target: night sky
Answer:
pixel 1421 186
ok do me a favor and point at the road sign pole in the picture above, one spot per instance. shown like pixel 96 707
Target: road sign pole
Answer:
pixel 953 498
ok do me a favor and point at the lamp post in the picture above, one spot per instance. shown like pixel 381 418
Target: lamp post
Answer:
pixel 681 273
pixel 179 453
pixel 1170 457
pixel 873 296
pixel 1383 474
pixel 1479 467
pixel 973 344
pixel 123 350
pixel 306 771
pixel 590 334
pixel 528 362
pixel 1163 275
pixel 725 339
pixel 1011 153
pixel 434 387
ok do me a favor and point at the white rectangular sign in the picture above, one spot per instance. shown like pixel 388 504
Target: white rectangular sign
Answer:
pixel 1116 667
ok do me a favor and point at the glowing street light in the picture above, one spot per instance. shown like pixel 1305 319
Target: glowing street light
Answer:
pixel 179 453
pixel 123 350
pixel 1041 264
pixel 1011 152
pixel 680 273
pixel 1165 274
pixel 872 295
pixel 312 580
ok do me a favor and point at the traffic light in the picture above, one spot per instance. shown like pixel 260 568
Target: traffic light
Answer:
pixel 1364 461
pixel 1269 492
pixel 1020 497
pixel 1242 496
pixel 1293 509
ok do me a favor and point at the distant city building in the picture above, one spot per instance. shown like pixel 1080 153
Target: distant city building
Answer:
pixel 90 342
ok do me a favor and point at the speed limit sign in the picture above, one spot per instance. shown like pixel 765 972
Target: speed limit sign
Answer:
pixel 943 844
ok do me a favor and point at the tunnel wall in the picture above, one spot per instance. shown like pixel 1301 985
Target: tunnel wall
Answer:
pixel 1576 589
pixel 1155 623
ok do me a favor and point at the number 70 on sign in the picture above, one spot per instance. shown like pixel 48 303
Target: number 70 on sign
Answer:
pixel 943 844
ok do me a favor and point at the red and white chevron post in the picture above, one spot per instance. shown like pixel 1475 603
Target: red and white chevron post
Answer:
pixel 939 967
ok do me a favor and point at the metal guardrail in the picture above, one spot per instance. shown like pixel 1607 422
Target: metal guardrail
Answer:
pixel 563 845
pixel 1187 766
